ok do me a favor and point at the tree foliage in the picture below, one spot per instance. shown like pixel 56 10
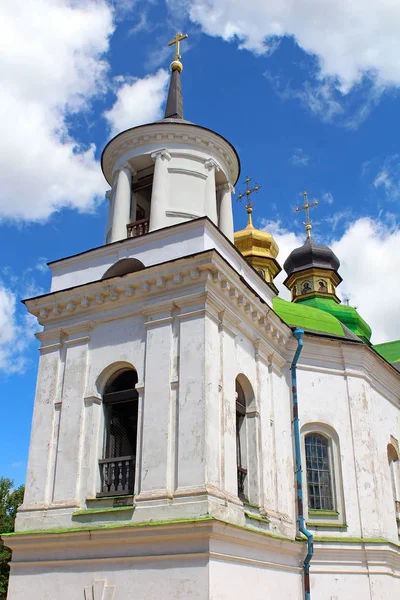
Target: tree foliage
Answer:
pixel 10 499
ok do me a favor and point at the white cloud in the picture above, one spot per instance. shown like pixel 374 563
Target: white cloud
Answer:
pixel 349 39
pixel 51 67
pixel 370 260
pixel 388 177
pixel 139 101
pixel 287 241
pixel 327 197
pixel 16 333
pixel 299 158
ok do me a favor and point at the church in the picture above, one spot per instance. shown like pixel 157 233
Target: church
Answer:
pixel 195 436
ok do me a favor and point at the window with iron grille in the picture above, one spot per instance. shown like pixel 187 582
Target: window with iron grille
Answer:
pixel 319 472
pixel 241 441
pixel 117 467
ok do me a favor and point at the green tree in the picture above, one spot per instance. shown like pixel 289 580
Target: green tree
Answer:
pixel 10 499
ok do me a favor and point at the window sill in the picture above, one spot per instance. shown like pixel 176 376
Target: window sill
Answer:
pixel 326 525
pixel 322 513
pixel 96 511
pixel 250 515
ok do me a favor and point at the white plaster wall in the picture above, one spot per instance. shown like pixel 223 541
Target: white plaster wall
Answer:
pixel 170 580
pixel 363 419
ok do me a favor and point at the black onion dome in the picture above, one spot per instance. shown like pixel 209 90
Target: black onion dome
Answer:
pixel 311 255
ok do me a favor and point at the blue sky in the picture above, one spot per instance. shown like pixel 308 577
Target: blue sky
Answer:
pixel 308 92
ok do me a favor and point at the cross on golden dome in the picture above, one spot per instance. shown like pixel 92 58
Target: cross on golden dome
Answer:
pixel 176 64
pixel 246 194
pixel 306 207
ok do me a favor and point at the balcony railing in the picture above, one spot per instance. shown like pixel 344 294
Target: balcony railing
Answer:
pixel 117 475
pixel 138 228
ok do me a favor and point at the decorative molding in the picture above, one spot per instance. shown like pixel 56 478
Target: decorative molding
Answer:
pixel 252 315
pixel 211 164
pixel 181 171
pixel 180 214
pixel 162 153
pixel 124 165
pixel 133 141
pixel 99 591
pixel 226 186
pixel 89 400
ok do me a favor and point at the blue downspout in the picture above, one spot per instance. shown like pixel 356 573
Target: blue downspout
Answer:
pixel 298 334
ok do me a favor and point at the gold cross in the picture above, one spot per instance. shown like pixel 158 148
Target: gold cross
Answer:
pixel 306 207
pixel 246 194
pixel 177 41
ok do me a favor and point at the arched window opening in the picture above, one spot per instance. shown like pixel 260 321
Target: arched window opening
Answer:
pixel 394 465
pixel 241 442
pixel 117 467
pixel 319 472
pixel 142 189
pixel 123 267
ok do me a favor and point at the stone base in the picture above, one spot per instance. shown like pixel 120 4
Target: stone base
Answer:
pixel 200 559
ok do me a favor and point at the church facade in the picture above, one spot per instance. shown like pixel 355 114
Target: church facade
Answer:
pixel 194 435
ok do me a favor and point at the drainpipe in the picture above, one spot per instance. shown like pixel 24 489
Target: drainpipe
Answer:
pixel 298 334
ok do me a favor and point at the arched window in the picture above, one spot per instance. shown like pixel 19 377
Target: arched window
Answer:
pixel 117 467
pixel 394 465
pixel 319 472
pixel 241 442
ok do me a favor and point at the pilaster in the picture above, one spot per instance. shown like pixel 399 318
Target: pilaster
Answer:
pixel 68 472
pixel 47 391
pixel 153 478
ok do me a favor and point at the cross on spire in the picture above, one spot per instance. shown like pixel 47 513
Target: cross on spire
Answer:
pixel 306 207
pixel 246 194
pixel 176 63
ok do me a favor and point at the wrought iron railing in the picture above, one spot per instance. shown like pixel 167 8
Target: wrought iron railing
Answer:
pixel 241 477
pixel 117 475
pixel 138 228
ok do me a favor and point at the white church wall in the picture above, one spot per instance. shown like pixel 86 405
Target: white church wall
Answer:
pixel 363 419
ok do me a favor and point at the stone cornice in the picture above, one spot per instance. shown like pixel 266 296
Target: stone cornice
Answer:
pixel 206 283
pixel 187 134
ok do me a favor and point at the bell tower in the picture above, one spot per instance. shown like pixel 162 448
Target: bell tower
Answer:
pixel 162 392
pixel 168 172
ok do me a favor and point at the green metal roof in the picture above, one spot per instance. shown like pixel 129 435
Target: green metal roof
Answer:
pixel 307 317
pixel 390 351
pixel 344 313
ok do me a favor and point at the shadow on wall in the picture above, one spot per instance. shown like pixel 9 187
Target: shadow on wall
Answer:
pixel 123 267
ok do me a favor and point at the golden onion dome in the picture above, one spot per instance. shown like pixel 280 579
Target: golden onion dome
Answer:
pixel 255 242
pixel 259 249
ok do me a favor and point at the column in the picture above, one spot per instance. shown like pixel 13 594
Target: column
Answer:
pixel 225 211
pixel 159 195
pixel 122 203
pixel 211 192
pixel 109 197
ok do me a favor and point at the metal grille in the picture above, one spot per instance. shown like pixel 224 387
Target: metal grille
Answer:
pixel 117 468
pixel 140 213
pixel 120 429
pixel 240 425
pixel 319 477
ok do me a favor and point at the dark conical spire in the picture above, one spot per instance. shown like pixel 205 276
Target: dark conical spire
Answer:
pixel 174 106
